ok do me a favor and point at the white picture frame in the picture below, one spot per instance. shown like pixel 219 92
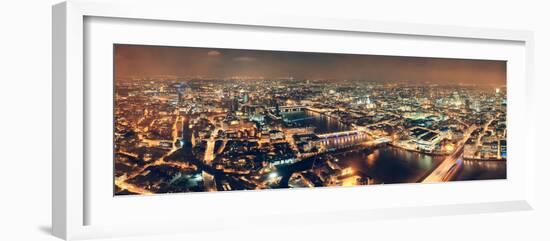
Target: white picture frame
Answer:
pixel 72 192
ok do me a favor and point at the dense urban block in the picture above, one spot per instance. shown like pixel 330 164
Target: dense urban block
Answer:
pixel 193 132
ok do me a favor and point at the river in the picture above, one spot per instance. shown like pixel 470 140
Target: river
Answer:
pixel 323 124
pixel 388 164
pixel 481 170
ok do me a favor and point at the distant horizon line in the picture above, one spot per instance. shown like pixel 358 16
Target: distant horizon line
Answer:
pixel 174 78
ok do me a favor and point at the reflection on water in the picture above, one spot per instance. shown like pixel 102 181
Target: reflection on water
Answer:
pixel 322 123
pixel 482 170
pixel 394 165
pixel 371 158
pixel 390 164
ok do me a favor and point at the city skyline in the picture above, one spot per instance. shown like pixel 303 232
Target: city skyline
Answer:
pixel 203 120
pixel 139 61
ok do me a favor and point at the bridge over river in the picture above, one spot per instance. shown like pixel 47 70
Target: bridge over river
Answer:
pixel 449 167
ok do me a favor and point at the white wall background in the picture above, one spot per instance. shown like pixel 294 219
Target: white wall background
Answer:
pixel 25 119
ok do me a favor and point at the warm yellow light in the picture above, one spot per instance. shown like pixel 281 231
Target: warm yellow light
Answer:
pixel 449 147
pixel 347 171
pixel 350 181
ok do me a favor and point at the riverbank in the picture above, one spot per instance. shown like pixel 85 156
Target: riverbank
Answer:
pixel 481 170
pixel 417 151
pixel 388 164
pixel 485 159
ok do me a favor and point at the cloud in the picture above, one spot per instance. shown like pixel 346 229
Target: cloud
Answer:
pixel 214 53
pixel 244 59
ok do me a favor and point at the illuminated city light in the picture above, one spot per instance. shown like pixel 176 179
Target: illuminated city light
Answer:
pixel 449 147
pixel 203 119
pixel 273 175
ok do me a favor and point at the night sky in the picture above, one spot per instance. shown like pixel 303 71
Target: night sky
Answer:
pixel 142 61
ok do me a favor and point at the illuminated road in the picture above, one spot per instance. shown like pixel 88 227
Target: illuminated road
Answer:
pixel 448 167
pixel 209 153
pixel 485 127
pixel 182 153
pixel 210 144
pixel 121 181
pixel 175 131
pixel 131 187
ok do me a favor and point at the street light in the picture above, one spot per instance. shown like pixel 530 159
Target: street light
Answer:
pixel 273 175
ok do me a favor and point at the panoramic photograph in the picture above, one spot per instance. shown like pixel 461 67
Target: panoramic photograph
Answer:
pixel 189 119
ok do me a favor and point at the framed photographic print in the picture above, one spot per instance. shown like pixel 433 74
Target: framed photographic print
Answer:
pixel 193 119
pixel 228 119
